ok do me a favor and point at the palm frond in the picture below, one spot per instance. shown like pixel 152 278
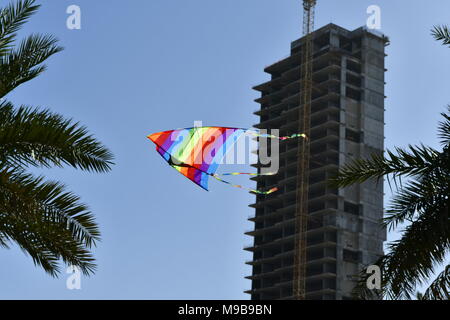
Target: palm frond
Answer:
pixel 411 260
pixel 12 18
pixel 23 64
pixel 444 128
pixel 42 138
pixel 405 203
pixel 421 193
pixel 441 33
pixel 47 222
pixel 410 162
pixel 440 288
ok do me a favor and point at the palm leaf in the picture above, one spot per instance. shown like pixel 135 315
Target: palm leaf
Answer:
pixel 440 288
pixel 23 64
pixel 444 128
pixel 42 138
pixel 410 162
pixel 441 33
pixel 11 19
pixel 47 222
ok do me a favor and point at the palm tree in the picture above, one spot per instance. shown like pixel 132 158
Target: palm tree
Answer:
pixel 41 217
pixel 442 33
pixel 421 203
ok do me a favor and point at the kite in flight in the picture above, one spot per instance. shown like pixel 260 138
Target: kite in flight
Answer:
pixel 197 152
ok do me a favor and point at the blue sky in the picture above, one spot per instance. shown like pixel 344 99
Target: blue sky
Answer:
pixel 138 67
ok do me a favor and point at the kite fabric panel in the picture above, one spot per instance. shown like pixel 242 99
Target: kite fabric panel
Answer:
pixel 197 152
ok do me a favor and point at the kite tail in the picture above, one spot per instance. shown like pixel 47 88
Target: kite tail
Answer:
pixel 246 173
pixel 217 177
pixel 264 135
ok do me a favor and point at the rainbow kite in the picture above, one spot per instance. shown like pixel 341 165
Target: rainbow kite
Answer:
pixel 197 152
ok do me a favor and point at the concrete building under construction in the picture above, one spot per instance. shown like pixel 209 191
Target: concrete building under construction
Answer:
pixel 344 233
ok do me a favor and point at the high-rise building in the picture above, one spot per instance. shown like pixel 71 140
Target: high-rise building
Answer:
pixel 347 122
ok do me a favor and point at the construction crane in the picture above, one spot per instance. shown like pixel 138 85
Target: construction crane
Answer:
pixel 301 215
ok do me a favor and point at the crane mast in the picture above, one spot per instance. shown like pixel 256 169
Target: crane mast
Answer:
pixel 301 215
